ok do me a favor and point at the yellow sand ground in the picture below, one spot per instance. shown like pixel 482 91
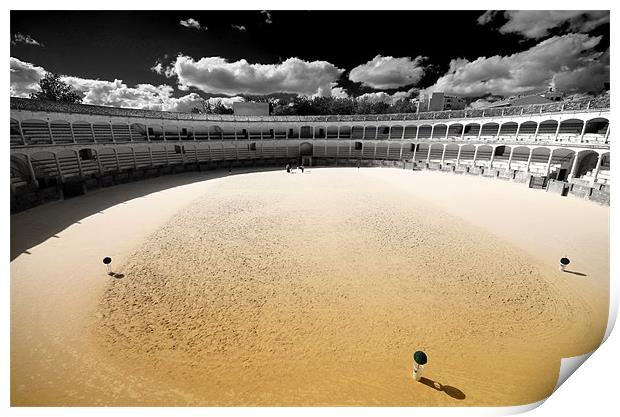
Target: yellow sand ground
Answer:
pixel 314 289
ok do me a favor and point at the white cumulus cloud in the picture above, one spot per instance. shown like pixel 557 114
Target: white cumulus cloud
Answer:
pixel 216 75
pixel 25 78
pixel 567 62
pixel 537 23
pixel 268 18
pixel 27 39
pixel 193 24
pixel 382 96
pixel 384 72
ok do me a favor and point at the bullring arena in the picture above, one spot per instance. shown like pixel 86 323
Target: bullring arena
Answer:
pixel 237 283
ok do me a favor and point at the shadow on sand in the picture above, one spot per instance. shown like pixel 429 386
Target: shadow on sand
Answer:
pixel 34 226
pixel 455 393
pixel 581 274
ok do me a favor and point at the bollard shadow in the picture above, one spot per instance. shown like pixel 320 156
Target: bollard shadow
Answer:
pixel 453 392
pixel 581 274
pixel 116 275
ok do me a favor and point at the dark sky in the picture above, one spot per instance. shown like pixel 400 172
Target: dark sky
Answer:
pixel 125 44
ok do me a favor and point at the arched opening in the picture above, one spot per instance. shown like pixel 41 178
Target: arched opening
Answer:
pixel 586 164
pixel 424 131
pixel 16 135
pixel 561 163
pixel 61 132
pixel 527 130
pixel 121 133
pixel 570 129
pixel 451 153
pixel 604 170
pixel 410 132
pixel 319 132
pixel 143 157
pixel 332 132
pixel 137 130
pixel 107 158
pixel 508 130
pixel 422 152
pixel 201 132
pixel 472 130
pixel 483 156
pixel 520 155
pixel 383 132
pixel 539 161
pixel 215 133
pixel 357 132
pixel 68 161
pixel 228 133
pixel 396 132
pixel 436 152
pixel 596 130
pixel 467 154
pixel 36 132
pixel 280 132
pixel 20 174
pixel 501 155
pixel 45 169
pixel 547 129
pixel 125 157
pixel 370 132
pixel 305 132
pixel 440 131
pixel 305 149
pixel 103 132
pixel 489 130
pixel 345 132
pixel 381 150
pixel 455 130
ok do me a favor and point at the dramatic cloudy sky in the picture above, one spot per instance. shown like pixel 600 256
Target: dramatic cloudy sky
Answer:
pixel 171 59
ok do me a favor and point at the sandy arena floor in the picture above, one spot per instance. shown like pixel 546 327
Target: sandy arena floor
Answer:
pixel 314 289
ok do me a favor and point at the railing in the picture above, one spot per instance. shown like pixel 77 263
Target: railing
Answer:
pixel 600 104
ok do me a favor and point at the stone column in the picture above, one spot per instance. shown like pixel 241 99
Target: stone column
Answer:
pixel 72 133
pixel 79 164
pixel 463 134
pixel 458 155
pixel 443 154
pixel 607 134
pixel 510 157
pixel 33 177
pixel 536 133
pixel 493 148
pixel 473 162
pixel 583 131
pixel 557 131
pixel 529 160
pixel 598 168
pixel 573 168
pixel 549 162
pixel 428 156
pixel 49 129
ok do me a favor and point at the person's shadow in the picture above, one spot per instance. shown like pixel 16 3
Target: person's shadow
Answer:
pixel 455 393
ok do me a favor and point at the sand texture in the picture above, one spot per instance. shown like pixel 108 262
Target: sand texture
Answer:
pixel 314 289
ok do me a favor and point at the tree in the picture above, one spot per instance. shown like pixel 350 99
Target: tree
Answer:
pixel 54 89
